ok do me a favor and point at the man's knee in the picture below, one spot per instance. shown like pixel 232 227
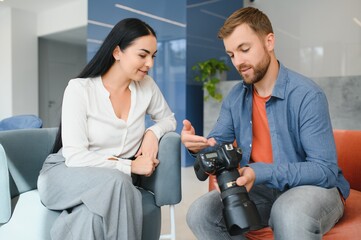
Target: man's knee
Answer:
pixel 284 212
pixel 296 213
pixel 196 214
pixel 204 210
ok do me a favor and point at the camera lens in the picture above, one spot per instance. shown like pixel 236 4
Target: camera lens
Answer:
pixel 239 212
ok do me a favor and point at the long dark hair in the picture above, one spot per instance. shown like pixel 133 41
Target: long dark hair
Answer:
pixel 123 35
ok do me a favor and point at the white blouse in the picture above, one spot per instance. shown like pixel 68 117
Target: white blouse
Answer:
pixel 92 133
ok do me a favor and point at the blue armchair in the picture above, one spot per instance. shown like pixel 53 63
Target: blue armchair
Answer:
pixel 22 215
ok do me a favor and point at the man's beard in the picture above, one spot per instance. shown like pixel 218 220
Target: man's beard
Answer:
pixel 259 70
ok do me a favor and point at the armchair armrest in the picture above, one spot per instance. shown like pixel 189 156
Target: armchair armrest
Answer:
pixel 22 153
pixel 165 182
pixel 5 202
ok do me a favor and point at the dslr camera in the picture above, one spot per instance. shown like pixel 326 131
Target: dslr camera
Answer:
pixel 239 212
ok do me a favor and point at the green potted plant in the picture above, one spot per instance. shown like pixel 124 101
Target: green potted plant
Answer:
pixel 208 72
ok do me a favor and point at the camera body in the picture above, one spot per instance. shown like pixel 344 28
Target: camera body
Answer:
pixel 224 158
pixel 239 212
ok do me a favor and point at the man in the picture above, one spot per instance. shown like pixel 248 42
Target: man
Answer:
pixel 281 122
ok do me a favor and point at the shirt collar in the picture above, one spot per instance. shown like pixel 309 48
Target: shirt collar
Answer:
pixel 279 90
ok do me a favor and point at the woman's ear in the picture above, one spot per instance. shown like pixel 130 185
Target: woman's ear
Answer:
pixel 116 53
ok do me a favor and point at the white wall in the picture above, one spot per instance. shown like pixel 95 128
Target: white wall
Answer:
pixel 24 64
pixel 5 63
pixel 20 29
pixel 18 63
pixel 69 16
pixel 317 38
pixel 59 62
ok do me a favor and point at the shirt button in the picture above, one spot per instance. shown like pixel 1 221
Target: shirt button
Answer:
pixel 250 122
pixel 250 145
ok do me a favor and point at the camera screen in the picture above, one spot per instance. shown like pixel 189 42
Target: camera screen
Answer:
pixel 211 155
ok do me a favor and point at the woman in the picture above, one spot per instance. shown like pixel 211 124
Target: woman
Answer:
pixel 102 141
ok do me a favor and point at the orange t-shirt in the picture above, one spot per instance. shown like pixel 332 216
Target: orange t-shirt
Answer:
pixel 261 143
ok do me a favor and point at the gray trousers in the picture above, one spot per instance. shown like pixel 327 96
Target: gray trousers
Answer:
pixel 304 212
pixel 96 203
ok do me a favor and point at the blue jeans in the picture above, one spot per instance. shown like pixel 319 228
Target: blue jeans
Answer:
pixel 304 212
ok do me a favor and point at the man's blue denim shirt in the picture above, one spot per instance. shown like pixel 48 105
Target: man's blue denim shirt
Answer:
pixel 303 145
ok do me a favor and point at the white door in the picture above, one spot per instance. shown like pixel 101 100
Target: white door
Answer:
pixel 58 63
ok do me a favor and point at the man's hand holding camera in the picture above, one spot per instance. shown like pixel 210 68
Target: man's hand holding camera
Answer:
pixel 239 211
pixel 247 178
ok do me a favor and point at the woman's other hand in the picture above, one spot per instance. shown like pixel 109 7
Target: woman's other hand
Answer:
pixel 147 155
pixel 144 165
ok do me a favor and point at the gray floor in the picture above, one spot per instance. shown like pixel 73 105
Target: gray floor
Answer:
pixel 192 188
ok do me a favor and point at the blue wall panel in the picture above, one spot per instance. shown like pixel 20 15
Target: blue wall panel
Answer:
pixel 204 19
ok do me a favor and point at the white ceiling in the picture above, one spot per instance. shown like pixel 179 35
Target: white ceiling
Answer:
pixel 74 36
pixel 35 6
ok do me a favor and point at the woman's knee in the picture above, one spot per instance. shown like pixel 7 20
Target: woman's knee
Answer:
pixel 78 223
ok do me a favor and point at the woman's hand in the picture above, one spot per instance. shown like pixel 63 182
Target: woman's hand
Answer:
pixel 147 155
pixel 149 145
pixel 144 165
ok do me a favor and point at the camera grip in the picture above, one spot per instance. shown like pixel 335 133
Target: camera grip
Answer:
pixel 200 173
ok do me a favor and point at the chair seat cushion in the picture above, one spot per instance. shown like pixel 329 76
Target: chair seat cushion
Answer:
pixel 349 226
pixel 30 220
